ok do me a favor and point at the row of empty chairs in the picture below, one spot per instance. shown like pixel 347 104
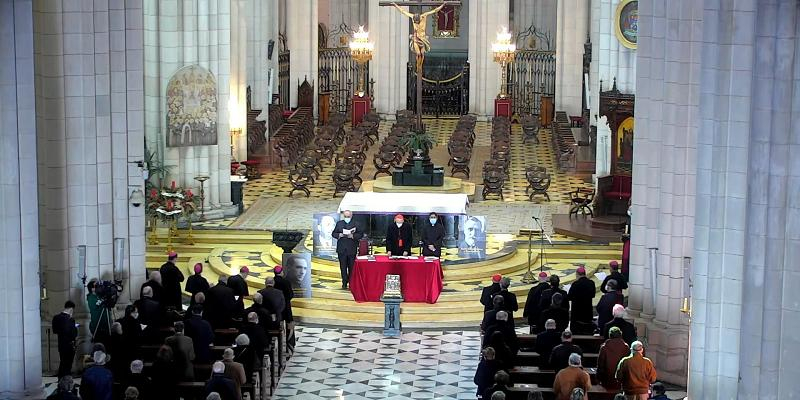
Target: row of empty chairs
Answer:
pixel 495 170
pixel 291 138
pixel 393 147
pixel 460 144
pixel 530 128
pixel 309 165
pixel 564 143
pixel 350 161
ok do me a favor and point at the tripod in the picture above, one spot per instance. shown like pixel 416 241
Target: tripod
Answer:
pixel 106 315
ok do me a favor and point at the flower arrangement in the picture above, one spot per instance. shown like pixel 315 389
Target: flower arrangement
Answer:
pixel 171 203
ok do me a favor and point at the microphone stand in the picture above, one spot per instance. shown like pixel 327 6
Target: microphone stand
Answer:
pixel 528 276
pixel 543 236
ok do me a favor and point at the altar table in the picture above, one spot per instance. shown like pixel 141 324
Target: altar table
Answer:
pixel 420 280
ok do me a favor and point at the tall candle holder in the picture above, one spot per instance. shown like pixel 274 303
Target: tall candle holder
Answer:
pixel 202 179
pixel 503 51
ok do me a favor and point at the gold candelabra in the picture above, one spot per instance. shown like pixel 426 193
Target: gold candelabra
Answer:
pixel 361 51
pixel 503 51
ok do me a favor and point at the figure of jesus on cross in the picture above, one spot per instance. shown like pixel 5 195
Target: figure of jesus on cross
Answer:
pixel 419 39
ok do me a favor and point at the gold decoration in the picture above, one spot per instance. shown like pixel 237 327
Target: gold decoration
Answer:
pixel 626 23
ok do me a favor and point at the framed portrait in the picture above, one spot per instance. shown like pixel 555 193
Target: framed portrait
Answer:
pixel 297 267
pixel 324 242
pixel 471 236
pixel 626 23
pixel 446 23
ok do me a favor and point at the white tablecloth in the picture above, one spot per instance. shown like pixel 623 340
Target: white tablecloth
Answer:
pixel 410 203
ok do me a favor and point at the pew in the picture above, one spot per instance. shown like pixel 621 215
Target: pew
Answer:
pixel 531 358
pixel 542 377
pixel 520 392
pixel 587 343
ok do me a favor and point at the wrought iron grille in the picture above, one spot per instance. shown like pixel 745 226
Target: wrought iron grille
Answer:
pixel 531 75
pixel 283 78
pixel 338 74
pixel 445 88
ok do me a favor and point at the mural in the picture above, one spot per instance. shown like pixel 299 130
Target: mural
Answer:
pixel 626 24
pixel 446 23
pixel 624 147
pixel 191 108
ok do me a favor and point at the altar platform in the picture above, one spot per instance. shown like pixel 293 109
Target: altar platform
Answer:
pixel 383 184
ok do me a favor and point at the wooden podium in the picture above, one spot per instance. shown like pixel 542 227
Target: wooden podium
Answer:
pixel 502 107
pixel 360 108
pixel 546 111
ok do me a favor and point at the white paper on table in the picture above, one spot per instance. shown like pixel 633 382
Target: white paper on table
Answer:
pixel 362 257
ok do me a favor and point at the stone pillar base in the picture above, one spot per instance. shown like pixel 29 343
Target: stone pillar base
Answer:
pixel 668 347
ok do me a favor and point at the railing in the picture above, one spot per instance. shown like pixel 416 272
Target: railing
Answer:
pixel 445 89
pixel 531 75
pixel 338 74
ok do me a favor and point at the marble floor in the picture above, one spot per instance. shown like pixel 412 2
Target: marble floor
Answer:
pixel 354 364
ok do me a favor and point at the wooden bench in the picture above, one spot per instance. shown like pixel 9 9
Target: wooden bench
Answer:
pixel 542 377
pixel 520 392
pixel 531 359
pixel 587 343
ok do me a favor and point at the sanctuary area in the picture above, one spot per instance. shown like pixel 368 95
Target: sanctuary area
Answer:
pixel 409 199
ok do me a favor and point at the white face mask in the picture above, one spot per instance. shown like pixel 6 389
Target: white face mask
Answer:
pixel 399 224
pixel 135 315
pixel 347 220
pixel 433 221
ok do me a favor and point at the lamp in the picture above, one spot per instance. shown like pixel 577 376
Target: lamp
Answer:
pixel 503 51
pixel 361 51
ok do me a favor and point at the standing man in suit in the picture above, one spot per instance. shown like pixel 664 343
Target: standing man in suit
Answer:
pixel 432 236
pixel 64 326
pixel 398 237
pixel 347 234
pixel 171 278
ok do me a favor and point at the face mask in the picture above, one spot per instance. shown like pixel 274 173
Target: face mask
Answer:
pixel 433 221
pixel 135 315
pixel 399 224
pixel 347 220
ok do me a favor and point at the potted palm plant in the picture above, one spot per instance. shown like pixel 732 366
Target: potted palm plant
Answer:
pixel 419 142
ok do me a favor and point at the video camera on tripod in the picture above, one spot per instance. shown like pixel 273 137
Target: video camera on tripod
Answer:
pixel 108 293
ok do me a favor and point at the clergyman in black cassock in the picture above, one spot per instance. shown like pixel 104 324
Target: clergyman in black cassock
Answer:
pixel 432 236
pixel 346 245
pixel 66 330
pixel 398 237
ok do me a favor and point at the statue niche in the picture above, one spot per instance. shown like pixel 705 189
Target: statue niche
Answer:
pixel 191 108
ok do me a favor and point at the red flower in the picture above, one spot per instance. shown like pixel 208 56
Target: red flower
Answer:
pixel 169 205
pixel 153 193
pixel 189 193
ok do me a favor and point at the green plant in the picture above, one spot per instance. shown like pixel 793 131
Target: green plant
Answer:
pixel 156 170
pixel 419 140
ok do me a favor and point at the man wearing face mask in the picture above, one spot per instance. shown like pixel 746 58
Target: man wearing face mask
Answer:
pixel 347 234
pixel 432 235
pixel 398 237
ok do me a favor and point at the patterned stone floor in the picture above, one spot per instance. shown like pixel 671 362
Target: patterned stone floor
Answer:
pixel 275 184
pixel 352 364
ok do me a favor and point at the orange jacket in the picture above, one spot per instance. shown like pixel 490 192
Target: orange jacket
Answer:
pixel 636 372
pixel 568 379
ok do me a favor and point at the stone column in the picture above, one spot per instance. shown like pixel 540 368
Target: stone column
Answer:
pixel 667 119
pixel 238 98
pixel 486 19
pixel 389 30
pixel 262 26
pixel 571 28
pixel 610 59
pixel 20 333
pixel 301 37
pixel 540 14
pixel 182 33
pixel 90 136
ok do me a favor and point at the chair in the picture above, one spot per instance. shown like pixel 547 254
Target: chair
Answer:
pixel 493 184
pixel 343 179
pixel 530 129
pixel 581 200
pixel 540 183
pixel 529 172
pixel 300 178
pixel 384 162
pixel 460 162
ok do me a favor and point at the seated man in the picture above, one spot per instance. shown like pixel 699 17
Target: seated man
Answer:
pixel 570 378
pixel 546 341
pixel 559 357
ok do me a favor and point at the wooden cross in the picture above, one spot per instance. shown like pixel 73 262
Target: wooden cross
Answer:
pixel 419 40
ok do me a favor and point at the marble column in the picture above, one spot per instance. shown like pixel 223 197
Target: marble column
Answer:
pixel 541 14
pixel 663 198
pixel 20 333
pixel 301 37
pixel 182 33
pixel 571 33
pixel 90 135
pixel 262 26
pixel 237 107
pixel 389 30
pixel 610 59
pixel 486 19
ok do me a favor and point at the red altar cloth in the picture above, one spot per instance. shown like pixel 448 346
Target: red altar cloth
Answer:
pixel 420 281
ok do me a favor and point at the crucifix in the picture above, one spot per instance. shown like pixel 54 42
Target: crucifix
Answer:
pixel 419 42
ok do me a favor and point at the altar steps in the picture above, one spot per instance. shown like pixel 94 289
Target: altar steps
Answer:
pixel 458 305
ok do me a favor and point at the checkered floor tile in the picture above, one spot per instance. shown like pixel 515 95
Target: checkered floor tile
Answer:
pixel 354 364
